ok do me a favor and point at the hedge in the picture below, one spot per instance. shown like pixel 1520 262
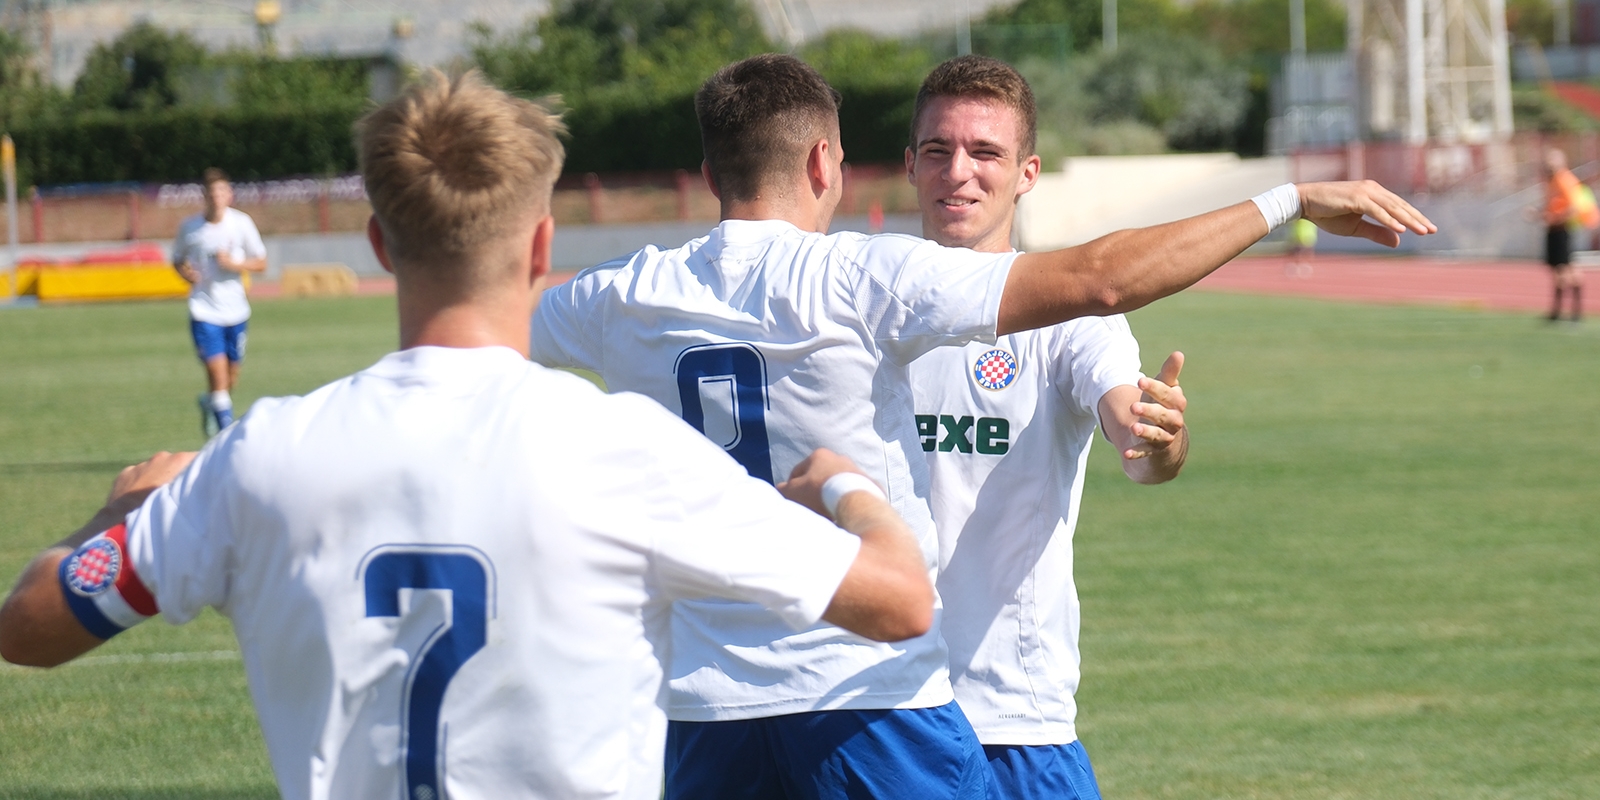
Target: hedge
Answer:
pixel 611 131
pixel 177 144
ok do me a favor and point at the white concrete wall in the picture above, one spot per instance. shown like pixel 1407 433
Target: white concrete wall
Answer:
pixel 1093 196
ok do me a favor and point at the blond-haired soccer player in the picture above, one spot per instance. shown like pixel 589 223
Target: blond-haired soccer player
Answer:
pixel 1006 428
pixel 774 338
pixel 450 573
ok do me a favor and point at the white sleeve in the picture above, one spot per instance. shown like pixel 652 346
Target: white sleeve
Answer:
pixel 918 295
pixel 251 237
pixel 1092 356
pixel 733 536
pixel 179 540
pixel 564 328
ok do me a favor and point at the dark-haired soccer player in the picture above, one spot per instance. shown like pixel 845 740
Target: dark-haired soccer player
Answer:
pixel 774 338
pixel 1006 427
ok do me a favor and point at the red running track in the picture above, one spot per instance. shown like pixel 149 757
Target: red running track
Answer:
pixel 1499 285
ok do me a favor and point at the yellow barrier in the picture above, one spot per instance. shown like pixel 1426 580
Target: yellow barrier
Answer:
pixel 27 278
pixel 109 282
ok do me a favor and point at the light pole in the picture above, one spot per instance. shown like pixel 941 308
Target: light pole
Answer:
pixel 1108 25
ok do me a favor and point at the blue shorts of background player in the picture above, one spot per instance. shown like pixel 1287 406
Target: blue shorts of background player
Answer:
pixel 1042 772
pixel 211 341
pixel 915 753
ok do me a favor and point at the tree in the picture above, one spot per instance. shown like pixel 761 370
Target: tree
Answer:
pixel 1177 84
pixel 581 46
pixel 1085 19
pixel 136 71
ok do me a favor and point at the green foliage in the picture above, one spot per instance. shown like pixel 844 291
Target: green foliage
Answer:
pixel 1066 113
pixel 258 81
pixel 1237 27
pixel 1178 85
pixel 877 80
pixel 1530 21
pixel 625 70
pixel 177 143
pixel 582 47
pixel 1261 27
pixel 153 105
pixel 1085 20
pixel 137 71
pixel 1535 109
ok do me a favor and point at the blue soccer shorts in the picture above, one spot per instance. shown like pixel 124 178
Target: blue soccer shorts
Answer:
pixel 914 753
pixel 211 341
pixel 1042 772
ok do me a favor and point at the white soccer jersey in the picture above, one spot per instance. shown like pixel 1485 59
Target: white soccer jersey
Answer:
pixel 775 342
pixel 1006 432
pixel 219 296
pixel 450 574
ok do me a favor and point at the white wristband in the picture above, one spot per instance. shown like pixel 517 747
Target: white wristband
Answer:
pixel 835 488
pixel 1279 206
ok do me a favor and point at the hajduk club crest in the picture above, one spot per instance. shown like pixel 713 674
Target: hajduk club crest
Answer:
pixel 995 370
pixel 93 569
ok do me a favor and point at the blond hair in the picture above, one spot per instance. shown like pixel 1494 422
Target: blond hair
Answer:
pixel 453 165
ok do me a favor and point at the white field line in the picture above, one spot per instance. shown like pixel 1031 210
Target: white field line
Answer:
pixel 149 658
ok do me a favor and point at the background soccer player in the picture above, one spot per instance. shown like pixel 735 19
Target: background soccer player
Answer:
pixel 1006 428
pixel 773 339
pixel 450 573
pixel 213 251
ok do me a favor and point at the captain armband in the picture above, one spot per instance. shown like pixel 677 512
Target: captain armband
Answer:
pixel 102 587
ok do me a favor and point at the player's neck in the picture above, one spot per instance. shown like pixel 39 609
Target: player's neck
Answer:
pixel 501 322
pixel 216 215
pixel 802 210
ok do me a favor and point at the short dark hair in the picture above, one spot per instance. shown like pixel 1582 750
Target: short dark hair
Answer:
pixel 212 175
pixel 758 117
pixel 986 78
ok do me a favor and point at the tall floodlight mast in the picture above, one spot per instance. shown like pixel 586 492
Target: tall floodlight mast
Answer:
pixel 1432 70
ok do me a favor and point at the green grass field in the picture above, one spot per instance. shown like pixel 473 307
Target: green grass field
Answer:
pixel 1379 576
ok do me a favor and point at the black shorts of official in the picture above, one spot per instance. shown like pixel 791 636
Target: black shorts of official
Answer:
pixel 1557 246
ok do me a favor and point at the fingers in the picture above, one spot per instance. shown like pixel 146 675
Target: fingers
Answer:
pixel 1167 396
pixel 1170 369
pixel 1336 207
pixel 1376 233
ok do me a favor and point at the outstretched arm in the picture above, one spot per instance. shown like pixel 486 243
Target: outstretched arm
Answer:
pixel 37 628
pixel 886 594
pixel 1146 424
pixel 1125 270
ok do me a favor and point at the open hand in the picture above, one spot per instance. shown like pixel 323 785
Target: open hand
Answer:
pixel 1343 208
pixel 1160 410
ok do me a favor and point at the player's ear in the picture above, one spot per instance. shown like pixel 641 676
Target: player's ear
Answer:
pixel 911 167
pixel 543 234
pixel 375 236
pixel 817 167
pixel 1029 177
pixel 711 182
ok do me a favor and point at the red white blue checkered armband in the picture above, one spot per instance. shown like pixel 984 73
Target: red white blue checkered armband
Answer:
pixel 102 588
